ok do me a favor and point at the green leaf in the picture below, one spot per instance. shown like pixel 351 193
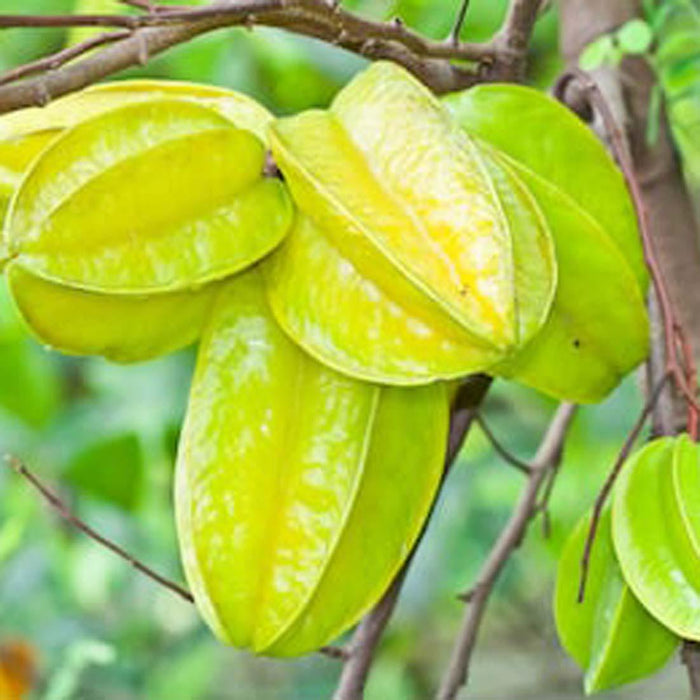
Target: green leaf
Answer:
pixel 92 7
pixel 284 467
pixel 635 36
pixel 597 53
pixel 597 330
pixel 656 531
pixel 610 635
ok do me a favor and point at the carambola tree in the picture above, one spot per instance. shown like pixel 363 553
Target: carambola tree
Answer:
pixel 355 277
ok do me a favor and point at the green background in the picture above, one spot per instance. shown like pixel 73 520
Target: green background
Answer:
pixel 105 436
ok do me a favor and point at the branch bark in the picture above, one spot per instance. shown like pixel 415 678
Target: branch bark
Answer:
pixel 363 645
pixel 150 34
pixel 548 455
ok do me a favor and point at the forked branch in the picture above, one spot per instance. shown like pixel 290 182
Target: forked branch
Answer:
pixel 547 457
pixel 369 632
pixel 442 65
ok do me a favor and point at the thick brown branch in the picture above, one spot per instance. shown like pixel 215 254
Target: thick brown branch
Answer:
pixel 369 632
pixel 548 455
pixel 160 29
pixel 56 21
pixel 513 38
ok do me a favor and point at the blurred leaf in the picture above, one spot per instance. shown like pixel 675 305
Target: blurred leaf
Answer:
pixel 29 384
pixel 78 657
pixel 185 676
pixel 92 7
pixel 596 53
pixel 110 469
pixel 635 36
pixel 389 681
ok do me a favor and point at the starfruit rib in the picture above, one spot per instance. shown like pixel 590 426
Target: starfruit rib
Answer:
pixel 260 642
pixel 681 445
pixel 411 143
pixel 122 328
pixel 379 494
pixel 187 124
pixel 113 169
pixel 309 281
pixel 591 682
pixel 558 192
pixel 666 585
pixel 206 604
pixel 484 111
pixel 112 139
pixel 66 112
pixel 281 148
pixel 507 187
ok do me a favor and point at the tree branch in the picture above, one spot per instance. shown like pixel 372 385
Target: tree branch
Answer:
pixel 610 480
pixel 364 642
pixel 161 28
pixel 548 455
pixel 690 656
pixel 55 502
pixel 506 456
pixel 60 58
pixel 459 23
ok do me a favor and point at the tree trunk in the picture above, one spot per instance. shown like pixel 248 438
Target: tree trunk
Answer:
pixel 666 199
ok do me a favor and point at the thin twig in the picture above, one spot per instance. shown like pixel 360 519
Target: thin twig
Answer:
pixel 542 505
pixel 57 21
pixel 60 58
pixel 55 502
pixel 548 454
pixel 363 645
pixel 145 5
pixel 680 364
pixel 610 480
pixel 459 22
pixel 507 456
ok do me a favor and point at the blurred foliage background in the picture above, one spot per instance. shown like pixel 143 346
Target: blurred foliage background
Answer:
pixel 105 437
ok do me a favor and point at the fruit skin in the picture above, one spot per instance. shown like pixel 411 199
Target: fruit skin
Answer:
pixel 424 222
pixel 656 531
pixel 284 467
pixel 70 110
pixel 16 155
pixel 26 132
pixel 121 328
pixel 598 329
pixel 155 196
pixel 610 634
pixel 129 323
